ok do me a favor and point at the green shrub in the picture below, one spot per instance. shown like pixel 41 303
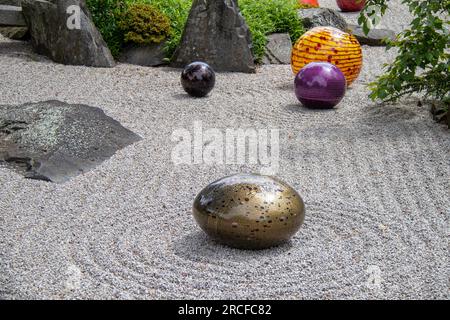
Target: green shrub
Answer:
pixel 423 61
pixel 144 24
pixel 262 16
pixel 105 14
pixel 177 11
pixel 269 16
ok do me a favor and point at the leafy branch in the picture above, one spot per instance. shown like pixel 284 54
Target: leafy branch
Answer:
pixel 423 61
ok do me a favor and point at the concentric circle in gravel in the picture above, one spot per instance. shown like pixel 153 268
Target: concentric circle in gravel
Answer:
pixel 139 259
pixel 143 260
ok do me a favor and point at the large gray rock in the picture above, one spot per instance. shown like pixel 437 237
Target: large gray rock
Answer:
pixel 375 37
pixel 148 55
pixel 47 21
pixel 278 49
pixel 322 17
pixel 217 34
pixel 54 141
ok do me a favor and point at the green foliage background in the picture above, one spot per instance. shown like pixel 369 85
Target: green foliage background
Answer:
pixel 263 17
pixel 423 61
pixel 270 16
pixel 106 14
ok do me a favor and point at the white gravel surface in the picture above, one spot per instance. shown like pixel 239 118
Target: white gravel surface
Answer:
pixel 375 180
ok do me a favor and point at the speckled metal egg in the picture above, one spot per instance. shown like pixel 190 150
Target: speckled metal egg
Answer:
pixel 328 44
pixel 249 211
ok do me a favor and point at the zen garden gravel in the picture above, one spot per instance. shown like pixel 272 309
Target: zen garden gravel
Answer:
pixel 375 181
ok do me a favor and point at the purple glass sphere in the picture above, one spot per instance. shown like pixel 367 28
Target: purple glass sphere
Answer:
pixel 320 85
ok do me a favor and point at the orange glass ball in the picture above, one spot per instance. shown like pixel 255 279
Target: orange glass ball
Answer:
pixel 328 44
pixel 312 3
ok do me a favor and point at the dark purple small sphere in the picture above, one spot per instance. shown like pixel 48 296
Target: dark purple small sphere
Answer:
pixel 320 85
pixel 198 79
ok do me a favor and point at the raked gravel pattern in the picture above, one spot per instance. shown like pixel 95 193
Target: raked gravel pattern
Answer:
pixel 375 180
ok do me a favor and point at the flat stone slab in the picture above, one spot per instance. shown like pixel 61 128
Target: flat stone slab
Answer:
pixel 54 141
pixel 11 16
pixel 375 37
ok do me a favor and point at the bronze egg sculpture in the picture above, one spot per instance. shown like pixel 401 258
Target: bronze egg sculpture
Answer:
pixel 249 211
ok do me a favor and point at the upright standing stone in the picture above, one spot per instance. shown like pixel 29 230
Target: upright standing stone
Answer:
pixel 278 49
pixel 56 35
pixel 216 33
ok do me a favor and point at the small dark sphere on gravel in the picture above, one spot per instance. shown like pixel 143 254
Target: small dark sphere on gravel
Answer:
pixel 198 79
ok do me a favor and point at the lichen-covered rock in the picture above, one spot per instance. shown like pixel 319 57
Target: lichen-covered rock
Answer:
pixel 322 17
pixel 54 141
pixel 216 33
pixel 50 36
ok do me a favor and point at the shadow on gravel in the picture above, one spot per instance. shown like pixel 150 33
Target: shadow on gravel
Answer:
pixel 298 108
pixel 198 247
pixel 287 86
pixel 182 96
pixel 384 114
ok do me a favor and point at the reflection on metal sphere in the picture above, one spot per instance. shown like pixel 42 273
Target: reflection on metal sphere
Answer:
pixel 249 211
